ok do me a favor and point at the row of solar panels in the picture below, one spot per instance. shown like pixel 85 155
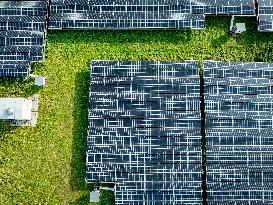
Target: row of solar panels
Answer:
pixel 136 14
pixel 141 14
pixel 22 36
pixel 144 131
pixel 239 132
pixel 86 14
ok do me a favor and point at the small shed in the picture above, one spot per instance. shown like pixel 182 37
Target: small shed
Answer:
pixel 20 111
pixel 15 109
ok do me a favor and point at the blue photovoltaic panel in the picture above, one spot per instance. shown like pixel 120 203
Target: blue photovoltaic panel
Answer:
pixel 243 7
pixel 95 14
pixel 246 86
pixel 265 22
pixel 22 23
pixel 125 21
pixel 14 68
pixel 234 103
pixel 144 131
pixel 240 70
pixel 265 15
pixel 239 132
pixel 22 36
pixel 23 8
pixel 124 15
pixel 223 7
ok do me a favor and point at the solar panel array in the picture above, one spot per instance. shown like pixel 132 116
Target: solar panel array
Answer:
pixel 144 131
pixel 265 15
pixel 222 7
pixel 239 122
pixel 123 14
pixel 87 14
pixel 22 36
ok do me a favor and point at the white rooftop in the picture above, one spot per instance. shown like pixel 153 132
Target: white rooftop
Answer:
pixel 15 109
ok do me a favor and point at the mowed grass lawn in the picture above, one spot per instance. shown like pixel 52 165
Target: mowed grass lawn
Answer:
pixel 46 165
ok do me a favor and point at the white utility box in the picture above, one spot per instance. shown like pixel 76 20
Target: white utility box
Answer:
pixel 240 28
pixel 40 81
pixel 95 196
pixel 20 111
pixel 15 109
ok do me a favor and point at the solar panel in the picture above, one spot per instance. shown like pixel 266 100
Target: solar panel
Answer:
pixel 224 7
pixel 126 191
pixel 84 14
pixel 144 131
pixel 239 134
pixel 265 6
pixel 23 8
pixel 182 6
pixel 126 20
pixel 240 70
pixel 265 15
pixel 252 86
pixel 22 36
pixel 265 22
pixel 14 68
pixel 21 49
pixel 22 23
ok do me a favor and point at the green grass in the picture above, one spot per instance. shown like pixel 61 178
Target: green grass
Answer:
pixel 45 165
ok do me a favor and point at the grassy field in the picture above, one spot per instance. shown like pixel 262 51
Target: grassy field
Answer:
pixel 46 165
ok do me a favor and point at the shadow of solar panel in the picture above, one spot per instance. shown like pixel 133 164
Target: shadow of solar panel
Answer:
pixel 238 105
pixel 144 130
